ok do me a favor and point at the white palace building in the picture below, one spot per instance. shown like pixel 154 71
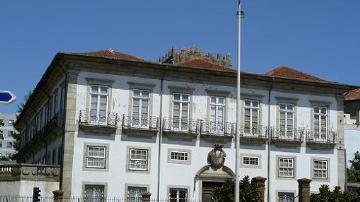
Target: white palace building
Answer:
pixel 119 125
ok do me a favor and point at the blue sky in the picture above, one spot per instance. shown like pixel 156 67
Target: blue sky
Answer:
pixel 320 37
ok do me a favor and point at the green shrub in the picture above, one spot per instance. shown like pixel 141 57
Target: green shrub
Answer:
pixel 248 191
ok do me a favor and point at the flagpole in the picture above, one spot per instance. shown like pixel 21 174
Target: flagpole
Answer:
pixel 238 115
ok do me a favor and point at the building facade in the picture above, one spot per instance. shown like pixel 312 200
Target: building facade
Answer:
pixel 119 125
pixel 6 134
pixel 352 127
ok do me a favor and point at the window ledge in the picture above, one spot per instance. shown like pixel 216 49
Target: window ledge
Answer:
pixel 97 128
pixel 253 139
pixel 320 145
pixel 180 134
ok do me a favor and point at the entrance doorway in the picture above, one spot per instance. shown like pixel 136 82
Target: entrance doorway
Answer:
pixel 210 179
pixel 207 188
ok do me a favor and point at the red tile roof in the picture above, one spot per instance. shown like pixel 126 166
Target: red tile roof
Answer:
pixel 352 95
pixel 111 54
pixel 287 72
pixel 206 64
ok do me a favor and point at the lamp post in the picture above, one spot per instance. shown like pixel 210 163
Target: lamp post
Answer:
pixel 238 115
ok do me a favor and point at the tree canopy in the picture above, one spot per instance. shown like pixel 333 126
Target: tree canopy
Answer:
pixel 326 195
pixel 248 191
pixel 354 171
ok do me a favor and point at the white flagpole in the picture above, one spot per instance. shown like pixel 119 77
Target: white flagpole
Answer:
pixel 238 115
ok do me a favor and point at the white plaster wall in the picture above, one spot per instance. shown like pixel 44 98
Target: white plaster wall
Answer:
pixel 183 175
pixel 352 142
pixel 25 188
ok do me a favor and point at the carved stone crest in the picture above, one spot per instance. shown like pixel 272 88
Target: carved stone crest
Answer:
pixel 216 157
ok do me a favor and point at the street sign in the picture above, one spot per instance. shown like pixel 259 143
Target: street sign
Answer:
pixel 6 97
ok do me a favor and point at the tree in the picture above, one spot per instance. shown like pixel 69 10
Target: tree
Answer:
pixel 22 105
pixel 15 135
pixel 326 195
pixel 1 132
pixel 248 191
pixel 4 158
pixel 354 171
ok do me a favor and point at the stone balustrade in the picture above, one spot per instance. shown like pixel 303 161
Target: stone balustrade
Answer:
pixel 29 172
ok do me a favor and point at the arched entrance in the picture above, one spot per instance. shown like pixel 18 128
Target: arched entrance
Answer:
pixel 209 179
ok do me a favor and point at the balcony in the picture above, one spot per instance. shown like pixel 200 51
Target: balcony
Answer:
pixel 216 130
pixel 253 135
pixel 181 128
pixel 52 128
pixel 148 125
pixel 287 138
pixel 29 172
pixel 97 123
pixel 326 140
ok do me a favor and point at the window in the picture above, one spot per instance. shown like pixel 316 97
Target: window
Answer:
pixel 286 196
pixel 179 156
pixel 51 107
pixel 134 193
pixel 287 115
pixel 249 160
pixel 62 99
pixel 320 169
pixel 59 155
pixel 94 193
pixel 98 104
pixel 53 157
pixel 96 156
pixel 11 122
pixel 47 158
pixel 286 167
pixel 252 113
pixel 37 122
pixel 140 108
pixel 9 145
pixel 0 144
pixel 176 156
pixel 55 99
pixel 181 104
pixel 138 159
pixel 178 194
pixel 217 110
pixel 320 120
pixel 11 133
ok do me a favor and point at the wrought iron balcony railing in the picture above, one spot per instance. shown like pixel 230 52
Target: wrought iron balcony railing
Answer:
pixel 39 135
pixel 290 135
pixel 54 123
pixel 181 126
pixel 141 123
pixel 258 131
pixel 328 137
pixel 88 119
pixel 213 128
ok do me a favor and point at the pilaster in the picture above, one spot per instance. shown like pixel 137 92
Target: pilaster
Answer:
pixel 70 130
pixel 340 142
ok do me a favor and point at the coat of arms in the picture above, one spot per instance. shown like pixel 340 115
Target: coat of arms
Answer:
pixel 216 157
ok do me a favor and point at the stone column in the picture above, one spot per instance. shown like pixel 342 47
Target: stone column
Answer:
pixel 70 131
pixel 146 196
pixel 304 190
pixel 58 195
pixel 260 186
pixel 340 142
